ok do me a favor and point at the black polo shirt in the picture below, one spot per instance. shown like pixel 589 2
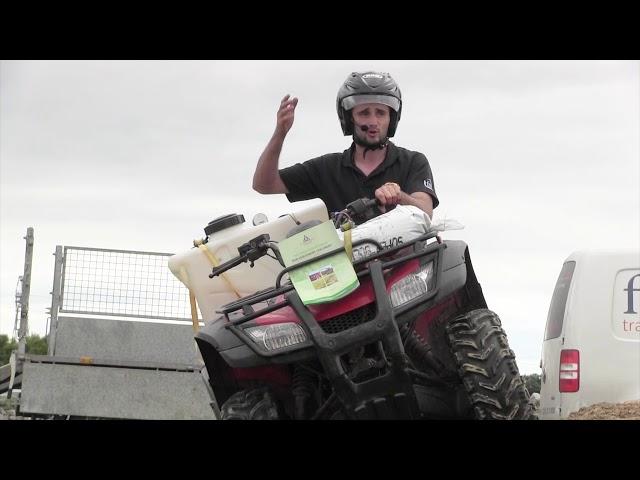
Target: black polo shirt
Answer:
pixel 335 179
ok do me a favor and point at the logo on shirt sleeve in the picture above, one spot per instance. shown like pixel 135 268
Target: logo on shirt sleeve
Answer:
pixel 428 184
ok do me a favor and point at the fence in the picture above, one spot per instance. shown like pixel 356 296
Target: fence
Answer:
pixel 122 283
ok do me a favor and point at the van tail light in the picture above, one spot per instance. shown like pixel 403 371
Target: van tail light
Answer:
pixel 569 370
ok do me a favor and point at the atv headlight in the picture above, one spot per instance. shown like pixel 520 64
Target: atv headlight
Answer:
pixel 278 335
pixel 412 286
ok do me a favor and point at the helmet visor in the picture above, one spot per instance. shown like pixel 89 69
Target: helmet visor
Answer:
pixel 349 102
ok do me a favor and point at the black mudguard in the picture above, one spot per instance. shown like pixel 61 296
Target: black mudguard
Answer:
pixel 458 273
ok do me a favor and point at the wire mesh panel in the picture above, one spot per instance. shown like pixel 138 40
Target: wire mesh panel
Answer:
pixel 122 283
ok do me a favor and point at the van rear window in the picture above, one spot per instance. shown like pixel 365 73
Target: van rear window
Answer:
pixel 559 301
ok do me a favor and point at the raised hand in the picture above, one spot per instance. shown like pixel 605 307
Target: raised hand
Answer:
pixel 286 114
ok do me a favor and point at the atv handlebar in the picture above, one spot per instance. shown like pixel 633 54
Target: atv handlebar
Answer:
pixel 250 251
pixel 227 266
pixel 359 211
pixel 362 205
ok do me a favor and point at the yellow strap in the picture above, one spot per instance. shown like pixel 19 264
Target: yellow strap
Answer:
pixel 347 244
pixel 194 312
pixel 215 262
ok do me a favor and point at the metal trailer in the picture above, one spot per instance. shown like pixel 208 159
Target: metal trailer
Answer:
pixel 120 342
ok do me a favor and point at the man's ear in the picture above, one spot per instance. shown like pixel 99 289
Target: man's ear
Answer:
pixel 349 122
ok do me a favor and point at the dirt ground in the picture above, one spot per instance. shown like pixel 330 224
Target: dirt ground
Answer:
pixel 609 411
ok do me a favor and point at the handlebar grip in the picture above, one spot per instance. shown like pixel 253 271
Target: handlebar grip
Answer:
pixel 372 202
pixel 361 205
pixel 229 264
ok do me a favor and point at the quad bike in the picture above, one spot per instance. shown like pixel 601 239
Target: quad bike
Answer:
pixel 415 340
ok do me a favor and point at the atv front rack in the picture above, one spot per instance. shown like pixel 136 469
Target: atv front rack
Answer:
pixel 246 304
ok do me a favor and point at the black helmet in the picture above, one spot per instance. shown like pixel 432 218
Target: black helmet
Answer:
pixel 368 87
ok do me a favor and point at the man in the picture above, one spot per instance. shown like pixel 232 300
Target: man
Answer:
pixel 369 106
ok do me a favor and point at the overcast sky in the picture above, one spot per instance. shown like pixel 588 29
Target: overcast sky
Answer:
pixel 536 158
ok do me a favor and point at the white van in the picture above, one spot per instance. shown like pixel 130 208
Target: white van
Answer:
pixel 591 348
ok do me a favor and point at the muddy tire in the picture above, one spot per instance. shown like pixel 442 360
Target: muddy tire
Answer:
pixel 257 404
pixel 487 367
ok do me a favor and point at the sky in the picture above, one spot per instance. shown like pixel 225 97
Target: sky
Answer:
pixel 536 158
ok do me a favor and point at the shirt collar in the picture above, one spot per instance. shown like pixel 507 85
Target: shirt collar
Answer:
pixel 390 158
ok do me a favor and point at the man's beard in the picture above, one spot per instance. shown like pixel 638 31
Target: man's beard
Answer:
pixel 369 145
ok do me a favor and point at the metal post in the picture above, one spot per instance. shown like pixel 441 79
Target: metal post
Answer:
pixel 55 300
pixel 22 302
pixel 23 329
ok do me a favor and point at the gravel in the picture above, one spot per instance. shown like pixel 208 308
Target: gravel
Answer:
pixel 629 410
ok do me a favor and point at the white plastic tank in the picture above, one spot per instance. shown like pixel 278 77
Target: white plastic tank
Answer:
pixel 193 266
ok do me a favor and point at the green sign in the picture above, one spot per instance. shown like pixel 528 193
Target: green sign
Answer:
pixel 324 280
